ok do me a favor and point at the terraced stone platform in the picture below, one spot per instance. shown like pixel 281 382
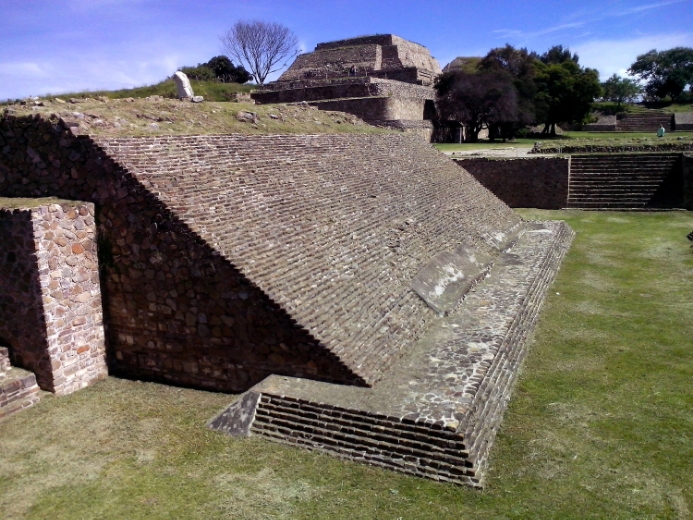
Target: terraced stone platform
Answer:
pixel 436 412
pixel 18 388
pixel 625 181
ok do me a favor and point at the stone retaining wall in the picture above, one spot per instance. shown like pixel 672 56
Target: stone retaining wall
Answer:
pixel 523 183
pixel 589 148
pixel 376 108
pixel 50 298
pixel 687 167
pixel 368 87
pixel 229 258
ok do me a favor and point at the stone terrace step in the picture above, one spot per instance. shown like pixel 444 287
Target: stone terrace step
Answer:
pixel 18 390
pixel 644 122
pixel 436 412
pixel 609 181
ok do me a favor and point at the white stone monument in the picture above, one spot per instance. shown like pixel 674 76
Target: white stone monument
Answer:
pixel 183 85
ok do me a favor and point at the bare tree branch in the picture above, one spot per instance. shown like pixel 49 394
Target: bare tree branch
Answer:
pixel 262 47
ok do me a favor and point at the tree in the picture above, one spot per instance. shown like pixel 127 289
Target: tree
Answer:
pixel 219 68
pixel 566 91
pixel 200 73
pixel 558 54
pixel 620 90
pixel 520 64
pixel 476 100
pixel 667 73
pixel 226 72
pixel 261 47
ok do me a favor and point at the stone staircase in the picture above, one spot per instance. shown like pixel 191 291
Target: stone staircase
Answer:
pixel 18 388
pixel 625 181
pixel 644 122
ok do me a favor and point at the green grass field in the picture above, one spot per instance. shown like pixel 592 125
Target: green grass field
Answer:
pixel 572 138
pixel 210 90
pixel 600 425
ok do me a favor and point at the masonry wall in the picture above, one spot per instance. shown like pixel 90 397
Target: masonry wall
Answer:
pixel 22 320
pixel 687 163
pixel 523 183
pixel 176 310
pixel 377 108
pixel 331 228
pixel 50 298
pixel 307 91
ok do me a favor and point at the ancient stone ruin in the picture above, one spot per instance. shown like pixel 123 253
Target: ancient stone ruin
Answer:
pixel 383 79
pixel 183 88
pixel 604 181
pixel 371 298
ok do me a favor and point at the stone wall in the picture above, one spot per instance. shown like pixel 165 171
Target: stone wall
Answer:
pixel 382 55
pixel 50 298
pixel 229 258
pixel 18 388
pixel 376 108
pixel 335 62
pixel 523 183
pixel 297 91
pixel 177 311
pixel 687 163
pixel 683 121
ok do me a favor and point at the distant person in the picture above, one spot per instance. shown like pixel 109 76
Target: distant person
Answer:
pixel 661 131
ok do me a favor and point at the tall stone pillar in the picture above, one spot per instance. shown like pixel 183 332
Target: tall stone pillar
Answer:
pixel 50 298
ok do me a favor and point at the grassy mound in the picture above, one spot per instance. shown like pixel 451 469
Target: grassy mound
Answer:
pixel 155 115
pixel 210 90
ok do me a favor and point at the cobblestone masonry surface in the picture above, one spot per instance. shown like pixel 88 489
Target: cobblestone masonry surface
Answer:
pixel 378 78
pixel 18 388
pixel 380 54
pixel 523 183
pixel 436 412
pixel 229 258
pixel 50 298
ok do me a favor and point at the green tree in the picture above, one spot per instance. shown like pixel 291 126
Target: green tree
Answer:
pixel 667 72
pixel 200 73
pixel 476 100
pixel 566 91
pixel 226 72
pixel 620 90
pixel 520 64
pixel 558 54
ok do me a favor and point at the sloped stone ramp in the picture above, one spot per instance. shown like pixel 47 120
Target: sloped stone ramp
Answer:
pixel 436 412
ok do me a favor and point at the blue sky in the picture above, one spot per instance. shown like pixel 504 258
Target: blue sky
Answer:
pixel 55 46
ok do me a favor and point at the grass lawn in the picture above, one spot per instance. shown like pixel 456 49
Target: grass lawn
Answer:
pixel 484 144
pixel 572 138
pixel 600 425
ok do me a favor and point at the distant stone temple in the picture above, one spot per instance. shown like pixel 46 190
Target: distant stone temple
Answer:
pixel 383 79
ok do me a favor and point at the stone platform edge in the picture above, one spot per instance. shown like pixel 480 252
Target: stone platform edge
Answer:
pixel 296 412
pixel 18 390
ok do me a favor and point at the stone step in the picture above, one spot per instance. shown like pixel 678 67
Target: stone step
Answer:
pixel 443 422
pixel 18 390
pixel 624 177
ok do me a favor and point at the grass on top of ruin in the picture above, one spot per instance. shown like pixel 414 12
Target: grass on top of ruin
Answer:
pixel 599 425
pixel 162 116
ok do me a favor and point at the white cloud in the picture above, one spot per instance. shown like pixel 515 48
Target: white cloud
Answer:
pixel 516 33
pixel 646 7
pixel 615 56
pixel 22 70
